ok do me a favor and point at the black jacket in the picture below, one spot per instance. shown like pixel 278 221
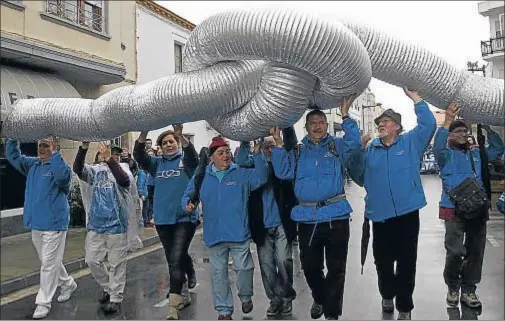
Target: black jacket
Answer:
pixel 286 200
pixel 284 196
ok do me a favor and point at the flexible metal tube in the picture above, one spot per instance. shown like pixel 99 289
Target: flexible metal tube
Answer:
pixel 246 71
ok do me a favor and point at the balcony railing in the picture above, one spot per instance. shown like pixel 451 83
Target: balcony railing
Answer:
pixel 494 45
pixel 89 16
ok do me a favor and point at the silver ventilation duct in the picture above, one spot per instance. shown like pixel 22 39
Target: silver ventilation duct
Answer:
pixel 246 71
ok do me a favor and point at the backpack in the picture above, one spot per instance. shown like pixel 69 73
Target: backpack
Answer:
pixel 331 148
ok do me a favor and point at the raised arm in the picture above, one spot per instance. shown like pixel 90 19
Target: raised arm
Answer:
pixel 283 161
pixel 244 157
pixel 440 150
pixel 258 175
pixel 122 178
pixel 20 162
pixel 422 134
pixel 61 170
pixel 495 148
pixel 145 161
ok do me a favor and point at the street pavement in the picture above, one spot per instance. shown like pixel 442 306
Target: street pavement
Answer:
pixel 147 281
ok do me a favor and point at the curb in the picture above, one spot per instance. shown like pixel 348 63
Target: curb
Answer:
pixel 31 279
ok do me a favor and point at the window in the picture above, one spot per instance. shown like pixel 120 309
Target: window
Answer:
pixel 116 141
pixel 178 58
pixel 84 13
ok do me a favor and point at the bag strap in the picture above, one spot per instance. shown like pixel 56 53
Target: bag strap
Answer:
pixel 472 163
pixel 332 149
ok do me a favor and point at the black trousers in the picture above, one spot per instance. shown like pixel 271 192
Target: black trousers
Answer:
pixel 465 243
pixel 329 239
pixel 395 240
pixel 176 239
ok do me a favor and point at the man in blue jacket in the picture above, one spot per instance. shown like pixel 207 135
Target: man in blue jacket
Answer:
pixel 224 193
pixel 465 238
pixel 47 214
pixel 389 170
pixel 317 168
pixel 272 228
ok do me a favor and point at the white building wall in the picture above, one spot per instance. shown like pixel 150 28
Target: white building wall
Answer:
pixel 156 38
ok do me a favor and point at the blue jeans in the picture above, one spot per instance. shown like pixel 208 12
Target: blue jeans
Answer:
pixel 244 268
pixel 276 264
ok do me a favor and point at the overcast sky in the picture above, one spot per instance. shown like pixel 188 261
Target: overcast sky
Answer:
pixel 451 29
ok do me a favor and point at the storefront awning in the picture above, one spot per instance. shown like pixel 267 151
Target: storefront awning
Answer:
pixel 22 83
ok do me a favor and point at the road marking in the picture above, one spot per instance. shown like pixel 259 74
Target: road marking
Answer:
pixel 161 304
pixel 492 240
pixel 21 294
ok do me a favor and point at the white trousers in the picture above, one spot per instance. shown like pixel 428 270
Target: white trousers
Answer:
pixel 110 276
pixel 50 247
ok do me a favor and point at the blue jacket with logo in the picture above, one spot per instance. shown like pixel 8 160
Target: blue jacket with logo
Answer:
pixel 46 205
pixel 319 176
pixel 142 181
pixel 224 200
pixel 455 164
pixel 171 176
pixel 391 175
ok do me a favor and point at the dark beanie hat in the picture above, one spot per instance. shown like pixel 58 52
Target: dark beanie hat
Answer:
pixel 216 143
pixel 457 123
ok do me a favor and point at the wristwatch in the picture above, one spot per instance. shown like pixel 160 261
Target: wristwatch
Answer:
pixel 345 117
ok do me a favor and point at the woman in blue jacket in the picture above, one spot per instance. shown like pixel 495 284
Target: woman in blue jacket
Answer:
pixel 171 172
pixel 224 193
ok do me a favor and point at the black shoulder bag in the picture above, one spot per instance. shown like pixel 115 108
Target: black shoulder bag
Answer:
pixel 469 197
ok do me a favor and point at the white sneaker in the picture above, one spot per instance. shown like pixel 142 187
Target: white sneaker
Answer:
pixel 41 312
pixel 66 292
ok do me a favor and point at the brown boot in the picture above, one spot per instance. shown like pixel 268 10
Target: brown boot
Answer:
pixel 174 301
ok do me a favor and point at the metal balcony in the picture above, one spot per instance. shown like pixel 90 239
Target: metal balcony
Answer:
pixel 492 46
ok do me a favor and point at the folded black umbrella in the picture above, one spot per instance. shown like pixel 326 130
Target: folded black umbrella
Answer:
pixel 365 238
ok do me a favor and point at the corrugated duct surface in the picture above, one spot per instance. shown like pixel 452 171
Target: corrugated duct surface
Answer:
pixel 246 71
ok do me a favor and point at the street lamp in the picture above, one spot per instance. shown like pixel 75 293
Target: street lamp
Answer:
pixel 363 115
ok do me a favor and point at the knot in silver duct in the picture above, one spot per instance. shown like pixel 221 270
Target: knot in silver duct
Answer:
pixel 246 71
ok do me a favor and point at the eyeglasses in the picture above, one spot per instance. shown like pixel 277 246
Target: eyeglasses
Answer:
pixel 385 122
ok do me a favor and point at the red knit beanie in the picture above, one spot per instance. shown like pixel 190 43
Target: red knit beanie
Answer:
pixel 216 143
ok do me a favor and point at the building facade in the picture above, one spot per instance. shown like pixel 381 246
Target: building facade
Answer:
pixel 161 37
pixel 58 49
pixel 493 49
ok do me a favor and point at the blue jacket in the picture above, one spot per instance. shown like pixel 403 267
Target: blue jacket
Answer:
pixel 319 176
pixel 224 201
pixel 142 180
pixel 500 204
pixel 171 176
pixel 150 179
pixel 391 176
pixel 455 164
pixel 271 215
pixel 46 205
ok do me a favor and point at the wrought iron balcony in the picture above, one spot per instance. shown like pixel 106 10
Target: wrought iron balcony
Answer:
pixel 82 13
pixel 492 46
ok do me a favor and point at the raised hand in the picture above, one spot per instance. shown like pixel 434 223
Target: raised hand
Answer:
pixel 104 151
pixel 450 114
pixel 347 104
pixel 412 94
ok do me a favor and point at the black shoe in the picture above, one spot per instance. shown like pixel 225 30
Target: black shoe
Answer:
pixel 105 298
pixel 247 307
pixel 287 308
pixel 273 309
pixel 316 311
pixel 192 279
pixel 112 307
